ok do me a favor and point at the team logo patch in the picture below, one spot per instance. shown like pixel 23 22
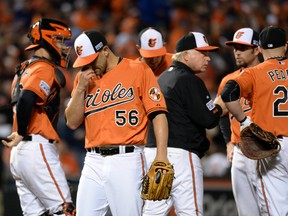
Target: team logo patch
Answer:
pixel 155 94
pixel 152 42
pixel 239 35
pixel 79 50
pixel 205 39
pixel 45 87
pixel 210 105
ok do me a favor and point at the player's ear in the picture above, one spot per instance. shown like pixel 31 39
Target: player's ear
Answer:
pixel 257 50
pixel 137 46
pixel 260 49
pixel 286 47
pixel 105 50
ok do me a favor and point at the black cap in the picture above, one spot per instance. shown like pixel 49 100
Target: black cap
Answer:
pixel 272 37
pixel 194 40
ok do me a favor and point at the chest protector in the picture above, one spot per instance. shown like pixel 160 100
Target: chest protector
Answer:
pixel 52 103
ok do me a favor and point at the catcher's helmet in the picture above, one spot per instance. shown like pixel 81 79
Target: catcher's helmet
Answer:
pixel 51 35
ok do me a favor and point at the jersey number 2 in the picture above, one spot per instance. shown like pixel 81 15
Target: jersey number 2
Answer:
pixel 280 100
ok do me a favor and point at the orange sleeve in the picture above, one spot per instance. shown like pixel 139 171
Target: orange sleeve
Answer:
pixel 153 98
pixel 40 81
pixel 226 79
pixel 246 81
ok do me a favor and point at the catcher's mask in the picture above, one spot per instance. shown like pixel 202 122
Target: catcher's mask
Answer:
pixel 54 36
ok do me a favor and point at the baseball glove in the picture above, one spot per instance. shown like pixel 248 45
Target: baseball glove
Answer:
pixel 256 143
pixel 157 183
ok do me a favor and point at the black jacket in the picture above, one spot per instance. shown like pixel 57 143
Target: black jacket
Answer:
pixel 190 110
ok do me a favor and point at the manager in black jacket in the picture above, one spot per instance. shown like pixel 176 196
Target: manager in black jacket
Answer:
pixel 190 112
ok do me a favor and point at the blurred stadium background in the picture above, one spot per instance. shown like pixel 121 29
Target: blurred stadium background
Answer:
pixel 121 21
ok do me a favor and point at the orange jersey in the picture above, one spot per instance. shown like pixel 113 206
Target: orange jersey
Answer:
pixel 267 86
pixel 39 78
pixel 234 124
pixel 117 105
pixel 165 63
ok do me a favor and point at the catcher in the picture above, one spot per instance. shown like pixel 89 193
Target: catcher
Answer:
pixel 34 161
pixel 265 87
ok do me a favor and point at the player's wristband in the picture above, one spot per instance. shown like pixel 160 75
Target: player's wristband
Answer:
pixel 243 120
pixel 245 123
pixel 219 109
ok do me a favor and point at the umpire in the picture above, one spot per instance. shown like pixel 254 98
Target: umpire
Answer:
pixel 190 112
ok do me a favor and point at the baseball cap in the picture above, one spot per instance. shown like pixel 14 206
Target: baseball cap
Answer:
pixel 151 43
pixel 194 40
pixel 272 37
pixel 245 36
pixel 87 46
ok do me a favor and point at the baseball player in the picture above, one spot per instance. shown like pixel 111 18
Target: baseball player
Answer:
pixel 245 43
pixel 115 97
pixel 190 111
pixel 153 51
pixel 265 86
pixel 34 162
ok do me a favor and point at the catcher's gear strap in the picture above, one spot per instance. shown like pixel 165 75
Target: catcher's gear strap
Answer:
pixel 231 91
pixel 60 78
pixel 19 70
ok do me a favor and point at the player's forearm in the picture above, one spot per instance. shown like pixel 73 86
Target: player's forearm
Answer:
pixel 74 112
pixel 24 110
pixel 224 125
pixel 235 108
pixel 161 134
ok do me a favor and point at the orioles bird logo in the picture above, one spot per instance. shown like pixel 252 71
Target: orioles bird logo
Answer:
pixel 239 35
pixel 152 42
pixel 79 50
pixel 205 39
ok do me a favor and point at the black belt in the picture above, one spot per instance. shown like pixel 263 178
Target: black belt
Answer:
pixel 29 138
pixel 110 150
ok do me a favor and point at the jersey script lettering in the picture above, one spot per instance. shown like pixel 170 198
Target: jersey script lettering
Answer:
pixel 108 98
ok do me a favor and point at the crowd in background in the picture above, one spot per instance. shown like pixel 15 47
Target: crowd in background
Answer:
pixel 121 21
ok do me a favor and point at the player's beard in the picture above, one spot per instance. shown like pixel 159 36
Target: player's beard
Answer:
pixel 99 72
pixel 241 63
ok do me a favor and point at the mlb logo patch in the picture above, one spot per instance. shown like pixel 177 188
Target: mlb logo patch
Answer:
pixel 210 105
pixel 45 87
